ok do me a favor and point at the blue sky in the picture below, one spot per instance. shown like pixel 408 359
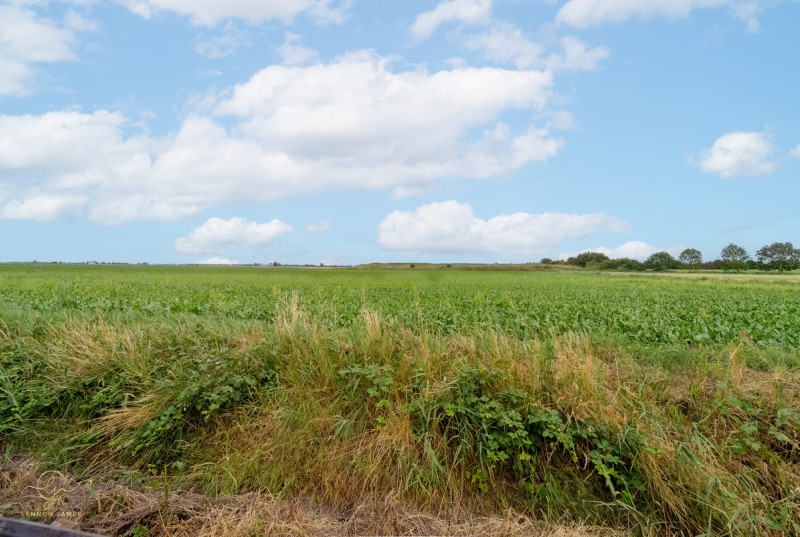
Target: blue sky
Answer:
pixel 335 131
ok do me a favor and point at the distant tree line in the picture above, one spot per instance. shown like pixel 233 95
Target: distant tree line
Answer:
pixel 778 256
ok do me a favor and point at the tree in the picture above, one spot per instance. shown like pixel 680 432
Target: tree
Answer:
pixel 779 256
pixel 661 261
pixel 590 257
pixel 733 257
pixel 691 257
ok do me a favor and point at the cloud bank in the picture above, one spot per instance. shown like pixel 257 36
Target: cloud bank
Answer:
pixel 211 12
pixel 588 13
pixel 451 227
pixel 351 123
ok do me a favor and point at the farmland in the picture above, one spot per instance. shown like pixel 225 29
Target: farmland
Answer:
pixel 647 404
pixel 524 305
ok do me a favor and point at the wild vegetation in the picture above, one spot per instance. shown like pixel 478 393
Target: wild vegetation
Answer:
pixel 657 406
pixel 778 256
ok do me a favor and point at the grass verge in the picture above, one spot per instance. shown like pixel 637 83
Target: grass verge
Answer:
pixel 571 429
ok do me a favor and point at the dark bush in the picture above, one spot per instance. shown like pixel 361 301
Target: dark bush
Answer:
pixel 622 264
pixel 588 258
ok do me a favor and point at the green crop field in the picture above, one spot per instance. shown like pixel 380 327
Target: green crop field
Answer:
pixel 647 405
pixel 644 309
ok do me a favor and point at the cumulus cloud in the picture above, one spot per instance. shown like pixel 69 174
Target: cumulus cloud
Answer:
pixel 795 152
pixel 210 12
pixel 59 162
pixel 63 142
pixel 739 154
pixel 352 123
pixel 631 250
pixel 217 261
pixel 463 11
pixel 320 227
pixel 27 40
pixel 402 129
pixel 218 235
pixel 451 227
pixel 587 13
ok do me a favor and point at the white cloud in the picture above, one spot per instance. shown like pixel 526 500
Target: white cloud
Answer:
pixel 498 151
pixel 217 261
pixel 795 152
pixel 334 259
pixel 463 11
pixel 372 127
pixel 577 57
pixel 210 12
pixel 738 154
pixel 505 43
pixel 25 41
pixel 74 156
pixel 320 227
pixel 293 52
pixel 62 142
pixel 225 44
pixel 327 12
pixel 42 208
pixel 631 250
pixel 78 23
pixel 218 235
pixel 352 123
pixel 586 13
pixel 452 227
pixel 748 13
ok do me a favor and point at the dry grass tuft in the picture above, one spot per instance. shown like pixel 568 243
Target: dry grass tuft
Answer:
pixel 581 381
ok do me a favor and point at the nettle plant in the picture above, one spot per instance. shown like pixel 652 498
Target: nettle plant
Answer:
pixel 757 429
pixel 144 409
pixel 368 384
pixel 497 430
pixel 198 389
